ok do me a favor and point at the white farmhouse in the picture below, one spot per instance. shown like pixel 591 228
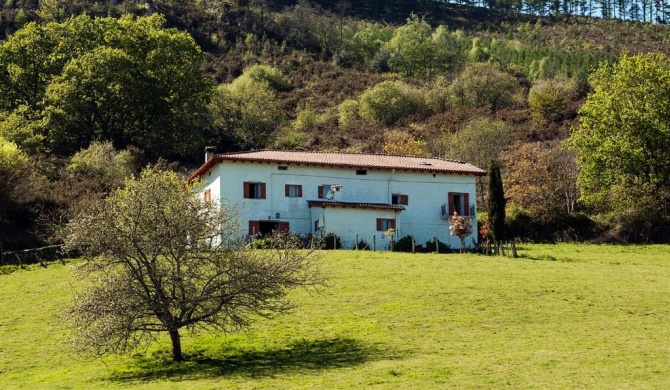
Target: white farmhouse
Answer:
pixel 348 194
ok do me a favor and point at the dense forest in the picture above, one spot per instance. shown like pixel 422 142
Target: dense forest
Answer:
pixel 92 91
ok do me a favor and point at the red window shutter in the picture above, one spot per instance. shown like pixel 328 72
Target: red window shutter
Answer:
pixel 287 190
pixel 466 204
pixel 246 190
pixel 392 223
pixel 452 207
pixel 321 194
pixel 299 191
pixel 262 190
pixel 283 227
pixel 404 200
pixel 254 227
pixel 379 224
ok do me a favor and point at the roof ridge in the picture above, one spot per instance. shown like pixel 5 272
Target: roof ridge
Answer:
pixel 342 153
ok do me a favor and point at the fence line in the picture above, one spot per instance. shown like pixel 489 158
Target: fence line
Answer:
pixel 32 256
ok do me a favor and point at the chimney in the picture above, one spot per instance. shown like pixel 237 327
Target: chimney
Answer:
pixel 209 152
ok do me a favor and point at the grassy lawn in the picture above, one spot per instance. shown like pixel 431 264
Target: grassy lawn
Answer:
pixel 562 317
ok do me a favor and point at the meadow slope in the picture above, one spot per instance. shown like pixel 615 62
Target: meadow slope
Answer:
pixel 563 317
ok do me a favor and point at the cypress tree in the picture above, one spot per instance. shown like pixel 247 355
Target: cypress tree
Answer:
pixel 496 203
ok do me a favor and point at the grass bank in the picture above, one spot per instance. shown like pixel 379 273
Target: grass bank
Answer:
pixel 562 317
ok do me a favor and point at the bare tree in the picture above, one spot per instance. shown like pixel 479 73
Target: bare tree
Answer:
pixel 160 259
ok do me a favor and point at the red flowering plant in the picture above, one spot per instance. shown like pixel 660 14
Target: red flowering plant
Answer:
pixel 486 234
pixel 460 227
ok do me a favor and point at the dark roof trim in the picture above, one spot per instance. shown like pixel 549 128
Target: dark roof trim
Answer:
pixel 355 205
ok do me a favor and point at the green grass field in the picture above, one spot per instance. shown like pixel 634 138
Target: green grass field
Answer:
pixel 562 317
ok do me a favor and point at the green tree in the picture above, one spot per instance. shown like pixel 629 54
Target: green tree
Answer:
pixel 128 81
pixel 548 100
pixel 389 101
pixel 496 203
pixel 245 111
pixel 160 259
pixel 622 141
pixel 417 51
pixel 480 141
pixel 484 85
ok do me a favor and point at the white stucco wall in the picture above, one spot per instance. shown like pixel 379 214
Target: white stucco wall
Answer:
pixel 421 218
pixel 347 223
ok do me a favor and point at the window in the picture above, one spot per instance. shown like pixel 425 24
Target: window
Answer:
pixel 324 190
pixel 459 203
pixel 293 191
pixel 384 224
pixel 207 196
pixel 361 172
pixel 282 168
pixel 400 199
pixel 254 190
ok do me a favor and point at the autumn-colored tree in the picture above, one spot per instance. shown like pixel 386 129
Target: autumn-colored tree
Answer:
pixel 460 227
pixel 541 178
pixel 402 143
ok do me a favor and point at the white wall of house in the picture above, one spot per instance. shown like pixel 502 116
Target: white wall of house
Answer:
pixel 349 223
pixel 421 218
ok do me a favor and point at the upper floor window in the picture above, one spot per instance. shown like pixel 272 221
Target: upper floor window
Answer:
pixel 459 203
pixel 282 168
pixel 293 191
pixel 400 199
pixel 324 190
pixel 207 196
pixel 253 190
pixel 361 172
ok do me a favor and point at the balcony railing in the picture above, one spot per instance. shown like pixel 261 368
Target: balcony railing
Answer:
pixel 445 211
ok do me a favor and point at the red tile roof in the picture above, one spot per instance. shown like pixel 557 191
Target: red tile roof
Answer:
pixel 351 160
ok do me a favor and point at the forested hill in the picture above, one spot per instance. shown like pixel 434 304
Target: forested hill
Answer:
pixel 91 91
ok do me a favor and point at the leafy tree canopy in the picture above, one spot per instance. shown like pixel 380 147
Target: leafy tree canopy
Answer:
pixel 623 138
pixel 129 81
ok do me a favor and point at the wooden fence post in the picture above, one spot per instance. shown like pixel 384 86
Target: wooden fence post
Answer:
pixel 374 242
pixel 412 244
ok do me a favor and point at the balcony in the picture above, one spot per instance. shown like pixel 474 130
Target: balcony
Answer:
pixel 445 211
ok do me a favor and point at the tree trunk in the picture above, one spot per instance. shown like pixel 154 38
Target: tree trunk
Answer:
pixel 176 346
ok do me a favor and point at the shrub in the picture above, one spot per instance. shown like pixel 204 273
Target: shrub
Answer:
pixel 389 101
pixel 430 246
pixel 330 241
pixel 348 112
pixel 403 245
pixel 548 100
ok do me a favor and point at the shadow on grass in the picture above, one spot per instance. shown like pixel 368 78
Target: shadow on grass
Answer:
pixel 306 355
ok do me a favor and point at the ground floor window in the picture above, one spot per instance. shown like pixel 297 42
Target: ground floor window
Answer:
pixel 384 224
pixel 265 228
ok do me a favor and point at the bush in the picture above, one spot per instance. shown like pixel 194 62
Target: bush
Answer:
pixel 363 246
pixel 389 101
pixel 555 227
pixel 430 246
pixel 330 241
pixel 548 100
pixel 403 245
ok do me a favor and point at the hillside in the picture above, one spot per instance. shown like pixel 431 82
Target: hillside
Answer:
pixel 472 83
